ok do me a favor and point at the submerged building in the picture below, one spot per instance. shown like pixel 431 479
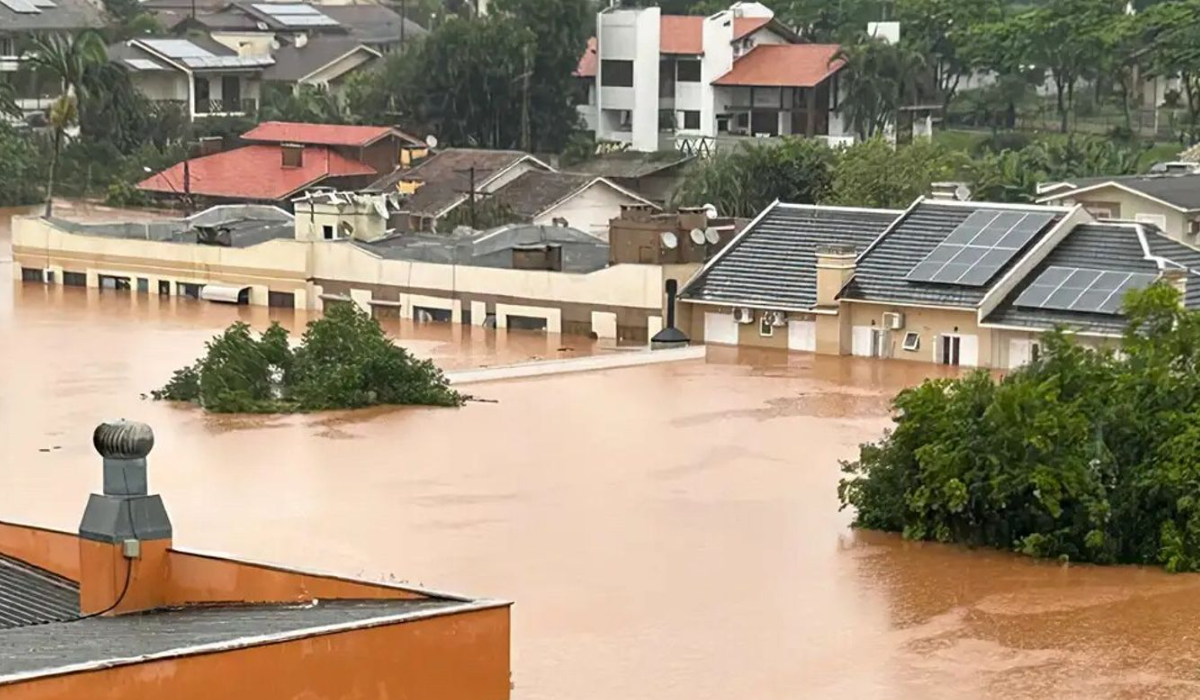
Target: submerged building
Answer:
pixel 116 609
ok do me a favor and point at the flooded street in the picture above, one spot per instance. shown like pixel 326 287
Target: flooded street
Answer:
pixel 668 532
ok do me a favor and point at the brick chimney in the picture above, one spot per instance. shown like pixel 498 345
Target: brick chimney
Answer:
pixel 1177 278
pixel 835 267
pixel 125 532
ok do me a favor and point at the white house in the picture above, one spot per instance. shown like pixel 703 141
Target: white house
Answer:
pixel 738 72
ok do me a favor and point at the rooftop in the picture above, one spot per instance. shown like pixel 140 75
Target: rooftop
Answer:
pixel 372 23
pixel 883 269
pixel 255 172
pixel 681 34
pixel 27 16
pixel 784 65
pixel 536 191
pixel 33 596
pixel 246 225
pixel 773 262
pixel 1181 191
pixel 631 164
pixel 102 642
pixel 446 176
pixel 323 134
pixel 581 251
pixel 1103 247
pixel 294 62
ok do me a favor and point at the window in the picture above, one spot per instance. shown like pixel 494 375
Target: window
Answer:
pixel 185 289
pixel 29 274
pixel 74 279
pixel 281 300
pixel 231 93
pixel 143 285
pixel 765 328
pixel 688 71
pixel 951 349
pixel 6 47
pixel 164 288
pixel 1194 226
pixel 691 119
pixel 1035 351
pixel 201 93
pixel 666 120
pixel 912 341
pixel 616 73
pixel 327 231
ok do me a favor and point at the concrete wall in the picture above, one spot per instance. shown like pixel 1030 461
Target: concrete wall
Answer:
pixel 630 35
pixel 1130 207
pixel 246 43
pixel 162 85
pixel 335 74
pixel 929 323
pixel 57 552
pixel 312 218
pixel 589 210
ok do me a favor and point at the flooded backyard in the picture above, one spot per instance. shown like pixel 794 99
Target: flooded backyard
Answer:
pixel 667 532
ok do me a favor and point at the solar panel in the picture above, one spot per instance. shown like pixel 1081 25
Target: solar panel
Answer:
pixel 274 9
pixel 979 247
pixel 142 64
pixel 175 48
pixel 1078 289
pixel 23 7
pixel 227 61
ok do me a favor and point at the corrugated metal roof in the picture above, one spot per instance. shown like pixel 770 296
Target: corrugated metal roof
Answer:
pixel 1108 247
pixel 32 596
pixel 773 263
pixel 880 273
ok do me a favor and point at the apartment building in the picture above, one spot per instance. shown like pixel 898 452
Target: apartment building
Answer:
pixel 661 78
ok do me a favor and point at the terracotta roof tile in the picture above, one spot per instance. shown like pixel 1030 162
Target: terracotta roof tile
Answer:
pixel 743 26
pixel 784 65
pixel 318 134
pixel 588 61
pixel 254 172
pixel 681 34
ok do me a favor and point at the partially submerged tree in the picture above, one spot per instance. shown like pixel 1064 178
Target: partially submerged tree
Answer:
pixel 344 360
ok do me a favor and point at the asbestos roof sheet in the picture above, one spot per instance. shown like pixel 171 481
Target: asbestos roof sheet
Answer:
pixel 32 596
pixel 880 274
pixel 773 262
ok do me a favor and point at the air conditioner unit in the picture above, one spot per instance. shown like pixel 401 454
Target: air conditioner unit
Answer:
pixel 743 315
pixel 777 318
pixel 893 321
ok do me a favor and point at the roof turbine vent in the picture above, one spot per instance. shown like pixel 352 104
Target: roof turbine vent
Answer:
pixel 124 445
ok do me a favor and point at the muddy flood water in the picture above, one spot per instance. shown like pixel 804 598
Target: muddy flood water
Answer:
pixel 667 532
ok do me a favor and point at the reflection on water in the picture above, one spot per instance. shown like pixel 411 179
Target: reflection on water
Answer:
pixel 666 532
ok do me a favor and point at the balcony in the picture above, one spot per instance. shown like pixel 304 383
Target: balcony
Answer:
pixel 226 108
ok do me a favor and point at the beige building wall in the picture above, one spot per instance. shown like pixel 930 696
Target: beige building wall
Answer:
pixel 333 76
pixel 162 85
pixel 246 43
pixel 589 210
pixel 313 217
pixel 1111 202
pixel 930 324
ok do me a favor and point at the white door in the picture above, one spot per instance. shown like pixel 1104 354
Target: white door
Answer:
pixel 802 335
pixel 957 350
pixel 970 351
pixel 1018 352
pixel 720 329
pixel 861 341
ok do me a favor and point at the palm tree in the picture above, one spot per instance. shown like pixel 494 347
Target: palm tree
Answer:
pixel 63 114
pixel 879 78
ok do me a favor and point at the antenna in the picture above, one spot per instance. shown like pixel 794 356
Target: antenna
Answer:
pixel 669 240
pixel 697 236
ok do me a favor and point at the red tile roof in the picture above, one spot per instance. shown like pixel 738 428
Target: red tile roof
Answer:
pixel 784 65
pixel 319 134
pixel 681 34
pixel 743 26
pixel 254 172
pixel 588 61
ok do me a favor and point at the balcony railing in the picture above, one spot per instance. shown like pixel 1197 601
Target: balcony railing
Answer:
pixel 215 107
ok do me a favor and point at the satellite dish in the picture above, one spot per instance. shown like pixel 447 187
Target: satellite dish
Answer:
pixel 710 211
pixel 669 240
pixel 962 193
pixel 431 141
pixel 711 235
pixel 380 206
pixel 697 236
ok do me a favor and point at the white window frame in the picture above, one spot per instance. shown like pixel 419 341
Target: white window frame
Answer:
pixel 764 324
pixel 912 341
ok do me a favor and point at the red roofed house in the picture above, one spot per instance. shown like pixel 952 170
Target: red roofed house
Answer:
pixel 650 79
pixel 283 159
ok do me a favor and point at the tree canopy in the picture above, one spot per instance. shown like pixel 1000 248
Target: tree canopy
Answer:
pixel 1084 454
pixel 344 360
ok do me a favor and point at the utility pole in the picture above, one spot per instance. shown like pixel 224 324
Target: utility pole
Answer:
pixel 471 195
pixel 525 139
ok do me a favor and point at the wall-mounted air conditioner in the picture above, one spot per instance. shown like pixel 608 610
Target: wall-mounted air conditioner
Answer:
pixel 777 318
pixel 743 315
pixel 893 321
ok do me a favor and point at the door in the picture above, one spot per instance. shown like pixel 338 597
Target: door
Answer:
pixel 720 329
pixel 231 93
pixel 802 335
pixel 1019 352
pixel 201 95
pixel 866 341
pixel 949 350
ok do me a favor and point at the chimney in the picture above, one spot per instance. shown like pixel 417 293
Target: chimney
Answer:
pixel 211 144
pixel 125 532
pixel 293 155
pixel 1177 278
pixel 670 336
pixel 835 267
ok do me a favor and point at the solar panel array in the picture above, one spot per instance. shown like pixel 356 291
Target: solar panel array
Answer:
pixel 176 48
pixel 142 64
pixel 296 15
pixel 1079 289
pixel 979 247
pixel 228 61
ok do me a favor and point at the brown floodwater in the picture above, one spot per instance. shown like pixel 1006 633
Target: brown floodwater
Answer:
pixel 668 532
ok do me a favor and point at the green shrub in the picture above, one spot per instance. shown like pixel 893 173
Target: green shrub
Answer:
pixel 1089 455
pixel 343 361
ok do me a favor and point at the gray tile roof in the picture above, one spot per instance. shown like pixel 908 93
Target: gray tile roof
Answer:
pixel 630 164
pixel 65 15
pixel 44 647
pixel 1104 246
pixel 445 176
pixel 372 23
pixel 881 271
pixel 537 190
pixel 31 596
pixel 581 251
pixel 293 63
pixel 773 263
pixel 1180 190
